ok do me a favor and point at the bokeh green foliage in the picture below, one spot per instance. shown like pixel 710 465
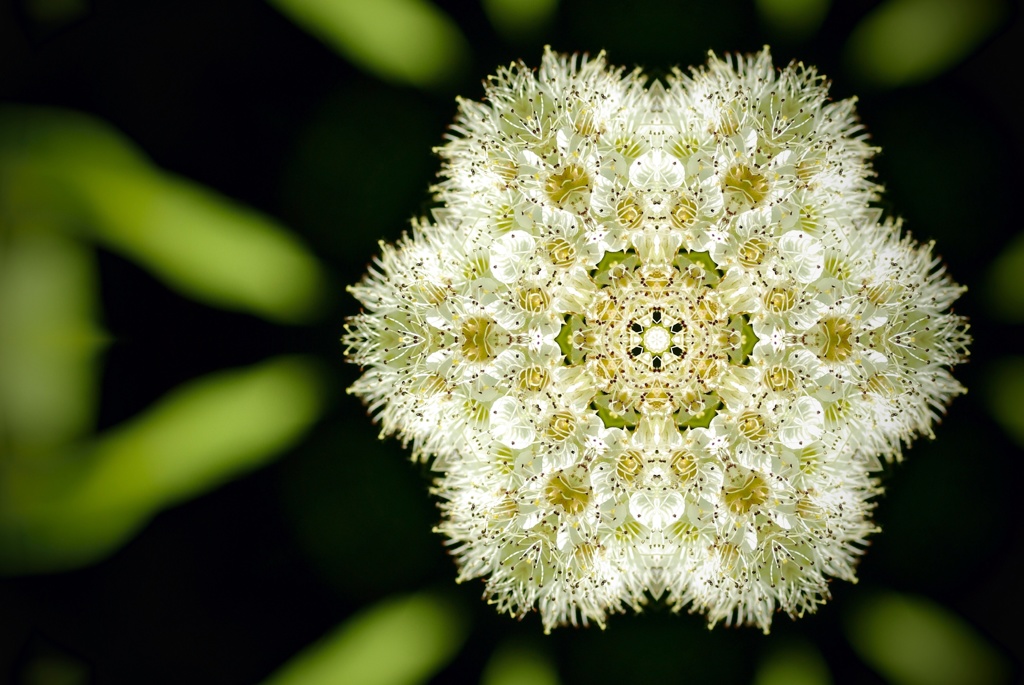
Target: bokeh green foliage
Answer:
pixel 519 663
pixel 69 497
pixel 397 641
pixel 49 339
pixel 71 507
pixel 1004 290
pixel 1005 394
pixel 73 174
pixel 402 41
pixel 793 663
pixel 517 20
pixel 913 641
pixel 910 41
pixel 793 19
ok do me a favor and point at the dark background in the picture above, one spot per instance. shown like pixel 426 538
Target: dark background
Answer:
pixel 227 587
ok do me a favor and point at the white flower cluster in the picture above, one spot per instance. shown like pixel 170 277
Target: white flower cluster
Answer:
pixel 656 340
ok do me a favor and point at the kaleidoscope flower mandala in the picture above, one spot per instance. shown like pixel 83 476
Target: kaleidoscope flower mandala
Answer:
pixel 656 339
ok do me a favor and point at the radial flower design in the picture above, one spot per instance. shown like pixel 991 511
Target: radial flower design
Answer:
pixel 655 340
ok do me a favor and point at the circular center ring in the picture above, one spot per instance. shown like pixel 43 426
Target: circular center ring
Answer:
pixel 657 339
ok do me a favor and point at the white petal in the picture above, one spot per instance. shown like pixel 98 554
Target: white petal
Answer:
pixel 657 509
pixel 656 169
pixel 510 254
pixel 510 424
pixel 803 425
pixel 802 255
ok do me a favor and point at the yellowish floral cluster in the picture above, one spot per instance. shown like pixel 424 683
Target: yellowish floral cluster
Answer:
pixel 656 339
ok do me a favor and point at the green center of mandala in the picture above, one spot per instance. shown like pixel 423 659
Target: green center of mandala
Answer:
pixel 658 339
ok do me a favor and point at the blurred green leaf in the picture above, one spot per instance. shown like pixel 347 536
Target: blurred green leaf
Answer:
pixel 51 665
pixel 519 664
pixel 48 340
pixel 1005 395
pixel 208 248
pixel 56 11
pixel 520 18
pixel 53 136
pixel 793 18
pixel 59 515
pixel 1005 286
pixel 399 641
pixel 403 41
pixel 910 41
pixel 913 641
pixel 68 169
pixel 793 664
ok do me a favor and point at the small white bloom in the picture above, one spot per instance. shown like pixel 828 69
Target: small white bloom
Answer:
pixel 657 340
